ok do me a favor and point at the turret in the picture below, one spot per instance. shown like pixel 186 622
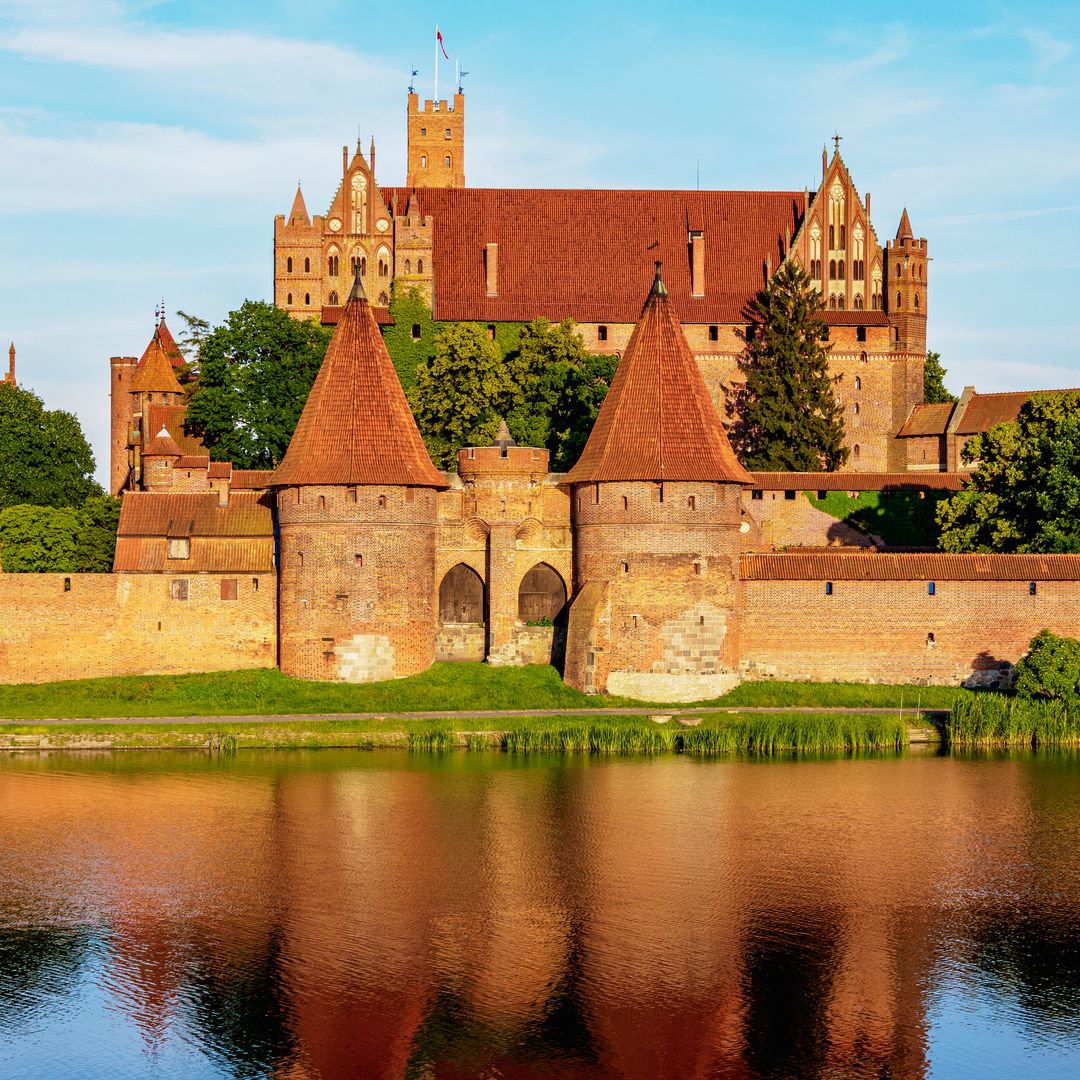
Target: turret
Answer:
pixel 357 513
pixel 436 154
pixel 121 375
pixel 656 510
pixel 159 460
pixel 906 289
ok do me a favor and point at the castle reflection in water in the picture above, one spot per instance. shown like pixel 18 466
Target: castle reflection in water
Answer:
pixel 378 915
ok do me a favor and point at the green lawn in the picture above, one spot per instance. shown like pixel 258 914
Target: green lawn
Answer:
pixel 449 688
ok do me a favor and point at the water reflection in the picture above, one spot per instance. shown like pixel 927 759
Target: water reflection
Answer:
pixel 380 915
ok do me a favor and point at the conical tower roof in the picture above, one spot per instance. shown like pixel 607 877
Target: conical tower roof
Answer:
pixel 658 422
pixel 356 427
pixel 162 445
pixel 168 343
pixel 903 231
pixel 298 215
pixel 154 372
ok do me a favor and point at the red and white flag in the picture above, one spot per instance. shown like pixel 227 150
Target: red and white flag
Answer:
pixel 438 38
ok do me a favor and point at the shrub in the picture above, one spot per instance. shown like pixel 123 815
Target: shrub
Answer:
pixel 1051 669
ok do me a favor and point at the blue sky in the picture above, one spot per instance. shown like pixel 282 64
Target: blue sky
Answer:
pixel 145 147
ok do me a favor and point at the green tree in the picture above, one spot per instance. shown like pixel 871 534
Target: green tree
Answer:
pixel 461 392
pixel 254 374
pixel 45 459
pixel 96 541
pixel 786 415
pixel 39 539
pixel 1051 669
pixel 934 391
pixel 1024 496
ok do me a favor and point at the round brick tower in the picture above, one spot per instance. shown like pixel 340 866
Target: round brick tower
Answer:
pixel 656 509
pixel 357 517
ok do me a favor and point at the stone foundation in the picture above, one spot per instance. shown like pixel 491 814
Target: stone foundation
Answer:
pixel 648 686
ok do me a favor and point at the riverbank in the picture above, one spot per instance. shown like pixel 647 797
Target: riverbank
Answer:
pixel 443 689
pixel 699 731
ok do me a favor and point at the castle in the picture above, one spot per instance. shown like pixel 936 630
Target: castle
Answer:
pixel 658 567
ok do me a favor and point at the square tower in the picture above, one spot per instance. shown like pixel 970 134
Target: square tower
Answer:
pixel 436 143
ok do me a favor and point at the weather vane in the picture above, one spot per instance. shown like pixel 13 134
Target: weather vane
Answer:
pixel 412 80
pixel 836 141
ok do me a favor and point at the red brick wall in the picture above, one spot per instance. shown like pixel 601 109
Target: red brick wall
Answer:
pixel 129 624
pixel 876 631
pixel 336 611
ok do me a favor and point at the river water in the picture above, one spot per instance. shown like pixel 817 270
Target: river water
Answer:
pixel 387 914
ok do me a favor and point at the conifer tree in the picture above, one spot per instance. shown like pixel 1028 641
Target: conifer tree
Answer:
pixel 934 389
pixel 788 418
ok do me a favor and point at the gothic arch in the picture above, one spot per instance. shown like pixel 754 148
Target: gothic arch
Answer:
pixel 461 596
pixel 541 594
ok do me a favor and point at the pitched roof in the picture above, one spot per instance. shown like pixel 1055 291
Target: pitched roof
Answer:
pixel 162 445
pixel 208 555
pixel 903 230
pixel 882 566
pixel 154 372
pixel 928 420
pixel 658 421
pixel 356 427
pixel 194 461
pixel 298 215
pixel 565 252
pixel 256 479
pixel 857 481
pixel 855 318
pixel 150 513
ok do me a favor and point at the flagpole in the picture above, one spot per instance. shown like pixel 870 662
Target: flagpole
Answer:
pixel 436 65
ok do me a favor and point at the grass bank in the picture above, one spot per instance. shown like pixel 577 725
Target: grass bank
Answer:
pixel 449 688
pixel 982 720
pixel 715 733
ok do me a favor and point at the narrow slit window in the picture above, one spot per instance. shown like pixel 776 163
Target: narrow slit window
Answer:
pixel 828 588
pixel 931 588
pixel 1032 588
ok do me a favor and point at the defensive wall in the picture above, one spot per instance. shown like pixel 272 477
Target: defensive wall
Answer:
pixel 71 626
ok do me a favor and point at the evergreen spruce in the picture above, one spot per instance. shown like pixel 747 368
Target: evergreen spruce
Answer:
pixel 788 419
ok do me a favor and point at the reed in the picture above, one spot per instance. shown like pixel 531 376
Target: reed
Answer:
pixel 433 738
pixel 1004 720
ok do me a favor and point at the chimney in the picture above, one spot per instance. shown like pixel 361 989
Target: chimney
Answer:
pixel 697 264
pixel 491 268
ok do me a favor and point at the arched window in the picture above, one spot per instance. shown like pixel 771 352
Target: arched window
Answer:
pixel 288 265
pixel 423 161
pixel 447 161
pixel 354 265
pixel 332 300
pixel 288 299
pixel 916 301
pixel 383 299
pixel 461 596
pixel 307 299
pixel 840 302
pixel 832 269
pixel 832 301
pixel 832 237
pixel 843 236
pixel 855 408
pixel 332 266
pixel 363 266
pixel 899 270
pixel 875 301
pixel 419 266
pixel 899 300
pixel 541 595
pixel 307 265
pixel 408 266
pixel 858 383
pixel 855 451
pixel 840 268
pixel 857 302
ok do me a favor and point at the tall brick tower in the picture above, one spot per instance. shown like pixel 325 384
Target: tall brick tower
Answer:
pixel 357 513
pixel 436 143
pixel 656 509
pixel 905 294
pixel 122 371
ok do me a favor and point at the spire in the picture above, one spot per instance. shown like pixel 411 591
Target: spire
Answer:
pixel 371 155
pixel 658 421
pixel 162 445
pixel 503 437
pixel 903 231
pixel 356 427
pixel 298 215
pixel 168 342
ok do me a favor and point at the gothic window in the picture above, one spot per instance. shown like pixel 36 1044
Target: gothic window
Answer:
pixel 307 299
pixel 875 301
pixel 332 265
pixel 423 161
pixel 447 161
pixel 288 265
pixel 383 299
pixel 307 266
pixel 363 266
pixel 899 301
pixel 419 266
pixel 354 265
pixel 855 451
pixel 840 268
pixel 382 268
pixel 858 383
pixel 832 269
pixel 832 237
pixel 840 302
pixel 384 262
pixel 832 301
pixel 916 301
pixel 843 236
pixel 332 300
pixel 359 190
pixel 858 302
pixel 408 266
pixel 288 299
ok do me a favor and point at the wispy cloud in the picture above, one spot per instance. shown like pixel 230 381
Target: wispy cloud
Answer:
pixel 1016 214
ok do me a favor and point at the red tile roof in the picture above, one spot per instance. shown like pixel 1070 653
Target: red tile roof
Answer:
pixel 220 470
pixel 298 215
pixel 194 461
pixel 854 318
pixel 258 479
pixel 155 372
pixel 903 230
pixel 880 566
pixel 986 410
pixel 172 417
pixel 238 555
pixel 168 343
pixel 857 481
pixel 928 420
pixel 356 427
pixel 565 253
pixel 150 513
pixel 332 315
pixel 162 445
pixel 658 421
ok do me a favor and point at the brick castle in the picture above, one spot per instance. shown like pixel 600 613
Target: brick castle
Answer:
pixel 655 568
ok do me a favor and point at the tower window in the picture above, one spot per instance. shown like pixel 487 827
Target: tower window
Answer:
pixel 1032 588
pixel 447 161
pixel 714 333
pixel 332 266
pixel 899 301
pixel 423 131
pixel 333 299
pixel 288 265
pixel 601 333
pixel 828 588
pixel 307 299
pixel 416 331
pixel 423 161
pixel 307 266
pixel 448 133
pixel 858 383
pixel 408 266
pixel 419 266
pixel 916 301
pixel 855 451
pixel 288 299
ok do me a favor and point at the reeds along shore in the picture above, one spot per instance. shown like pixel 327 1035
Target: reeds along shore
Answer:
pixel 1003 720
pixel 763 734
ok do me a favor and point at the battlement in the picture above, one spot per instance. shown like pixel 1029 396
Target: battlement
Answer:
pixel 443 105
